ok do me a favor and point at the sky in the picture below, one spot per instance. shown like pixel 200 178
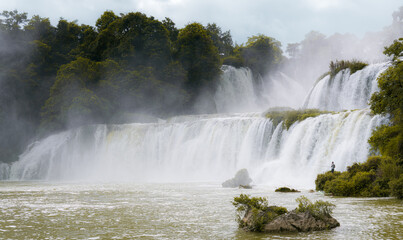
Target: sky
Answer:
pixel 286 20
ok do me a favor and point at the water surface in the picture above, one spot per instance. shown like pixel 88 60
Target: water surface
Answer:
pixel 44 210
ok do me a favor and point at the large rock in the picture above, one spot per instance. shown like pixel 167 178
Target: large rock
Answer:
pixel 300 222
pixel 292 222
pixel 241 178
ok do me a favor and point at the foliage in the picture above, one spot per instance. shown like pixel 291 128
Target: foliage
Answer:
pixel 353 65
pixel 321 179
pixel 368 179
pixel 320 209
pixel 222 40
pixel 395 50
pixel 397 187
pixel 198 56
pixel 261 54
pixel 286 189
pixel 288 118
pixel 259 210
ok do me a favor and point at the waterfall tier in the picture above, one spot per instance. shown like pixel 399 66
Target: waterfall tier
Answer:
pixel 345 91
pixel 202 149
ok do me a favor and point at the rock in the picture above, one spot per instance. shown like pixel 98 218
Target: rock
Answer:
pixel 300 222
pixel 241 178
pixel 286 190
pixel 245 186
pixel 289 222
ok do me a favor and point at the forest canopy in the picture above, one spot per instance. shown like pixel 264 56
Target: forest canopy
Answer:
pixel 56 77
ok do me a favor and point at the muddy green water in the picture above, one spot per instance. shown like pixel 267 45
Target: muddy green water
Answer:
pixel 41 210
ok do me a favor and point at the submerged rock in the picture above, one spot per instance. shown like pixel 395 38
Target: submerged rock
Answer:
pixel 241 179
pixel 286 190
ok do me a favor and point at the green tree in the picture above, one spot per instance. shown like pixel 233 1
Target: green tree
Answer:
pixel 222 40
pixel 72 97
pixel 261 54
pixel 172 30
pixel 198 56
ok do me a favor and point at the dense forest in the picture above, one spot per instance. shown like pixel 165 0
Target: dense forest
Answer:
pixel 56 77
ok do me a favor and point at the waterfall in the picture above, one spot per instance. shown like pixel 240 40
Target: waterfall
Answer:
pixel 201 149
pixel 4 171
pixel 345 91
pixel 238 90
pixel 213 147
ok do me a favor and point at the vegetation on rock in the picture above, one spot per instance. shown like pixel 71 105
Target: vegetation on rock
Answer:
pixel 288 118
pixel 319 209
pixel 259 210
pixel 286 189
pixel 337 66
pixel 255 214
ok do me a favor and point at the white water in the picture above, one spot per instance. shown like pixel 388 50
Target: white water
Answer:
pixel 345 91
pixel 201 149
pixel 239 91
pixel 4 171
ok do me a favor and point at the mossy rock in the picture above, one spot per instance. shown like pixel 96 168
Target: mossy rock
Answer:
pixel 255 215
pixel 286 190
pixel 288 118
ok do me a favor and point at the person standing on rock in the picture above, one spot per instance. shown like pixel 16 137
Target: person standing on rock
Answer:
pixel 332 167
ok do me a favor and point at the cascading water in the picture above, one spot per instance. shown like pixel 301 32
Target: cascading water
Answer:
pixel 201 149
pixel 239 90
pixel 4 171
pixel 214 147
pixel 345 91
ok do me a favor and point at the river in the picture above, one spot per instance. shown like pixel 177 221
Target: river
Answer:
pixel 55 210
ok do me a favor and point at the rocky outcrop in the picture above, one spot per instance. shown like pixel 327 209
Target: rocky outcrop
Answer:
pixel 241 179
pixel 300 222
pixel 290 222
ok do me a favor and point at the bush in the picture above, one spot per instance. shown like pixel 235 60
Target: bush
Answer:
pixel 258 211
pixel 320 209
pixel 353 65
pixel 243 202
pixel 321 179
pixel 397 187
pixel 362 181
pixel 339 187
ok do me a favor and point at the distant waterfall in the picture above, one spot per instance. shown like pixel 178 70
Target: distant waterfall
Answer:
pixel 4 171
pixel 345 91
pixel 238 90
pixel 202 149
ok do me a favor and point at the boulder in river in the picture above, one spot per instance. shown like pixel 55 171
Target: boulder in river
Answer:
pixel 300 222
pixel 255 215
pixel 241 179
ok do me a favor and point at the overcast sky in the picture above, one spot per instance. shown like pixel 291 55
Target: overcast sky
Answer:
pixel 285 20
